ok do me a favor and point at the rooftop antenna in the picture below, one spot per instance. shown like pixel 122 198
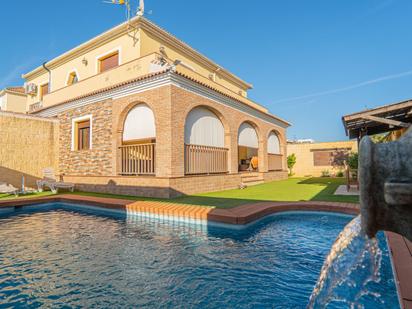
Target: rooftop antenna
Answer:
pixel 132 30
pixel 140 10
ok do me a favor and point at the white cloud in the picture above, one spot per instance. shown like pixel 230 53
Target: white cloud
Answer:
pixel 346 88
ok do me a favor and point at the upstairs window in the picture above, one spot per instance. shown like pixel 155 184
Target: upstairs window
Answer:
pixel 72 79
pixel 109 61
pixel 44 89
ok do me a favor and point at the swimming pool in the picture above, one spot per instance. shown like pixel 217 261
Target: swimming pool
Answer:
pixel 58 254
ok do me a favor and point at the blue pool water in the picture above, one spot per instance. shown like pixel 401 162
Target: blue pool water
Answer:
pixel 58 255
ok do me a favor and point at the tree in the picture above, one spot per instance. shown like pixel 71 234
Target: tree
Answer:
pixel 353 160
pixel 291 162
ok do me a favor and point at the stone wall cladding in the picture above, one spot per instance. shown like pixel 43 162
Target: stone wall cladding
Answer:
pixel 27 146
pixel 96 161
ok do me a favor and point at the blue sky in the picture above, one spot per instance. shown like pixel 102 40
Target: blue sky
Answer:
pixel 310 61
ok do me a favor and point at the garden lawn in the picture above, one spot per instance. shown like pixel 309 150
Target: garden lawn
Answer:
pixel 292 189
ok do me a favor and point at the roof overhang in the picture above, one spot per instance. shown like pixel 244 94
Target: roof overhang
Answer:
pixel 122 29
pixel 158 79
pixel 378 120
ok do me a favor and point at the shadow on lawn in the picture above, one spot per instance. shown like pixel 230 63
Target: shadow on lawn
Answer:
pixel 330 186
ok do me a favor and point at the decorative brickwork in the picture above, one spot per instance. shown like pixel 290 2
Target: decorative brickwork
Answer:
pixel 96 161
pixel 98 169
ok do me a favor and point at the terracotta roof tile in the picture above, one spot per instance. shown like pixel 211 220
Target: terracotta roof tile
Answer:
pixel 18 89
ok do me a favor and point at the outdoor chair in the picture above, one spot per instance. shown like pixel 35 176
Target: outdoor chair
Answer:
pixel 49 180
pixel 254 162
pixel 8 189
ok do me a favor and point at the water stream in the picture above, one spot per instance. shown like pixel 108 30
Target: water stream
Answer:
pixel 352 265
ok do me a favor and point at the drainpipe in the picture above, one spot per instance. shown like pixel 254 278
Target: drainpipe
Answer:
pixel 47 69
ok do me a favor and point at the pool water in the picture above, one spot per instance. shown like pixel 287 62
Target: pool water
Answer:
pixel 58 255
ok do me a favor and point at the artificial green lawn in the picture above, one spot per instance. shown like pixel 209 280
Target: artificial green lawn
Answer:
pixel 29 195
pixel 292 189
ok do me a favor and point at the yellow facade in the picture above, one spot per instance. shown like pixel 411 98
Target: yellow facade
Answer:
pixel 305 161
pixel 12 101
pixel 142 47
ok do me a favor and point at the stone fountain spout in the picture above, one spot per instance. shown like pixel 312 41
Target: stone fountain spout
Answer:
pixel 385 179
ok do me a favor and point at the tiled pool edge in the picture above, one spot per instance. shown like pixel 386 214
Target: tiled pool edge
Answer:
pixel 239 215
pixel 242 215
pixel 401 258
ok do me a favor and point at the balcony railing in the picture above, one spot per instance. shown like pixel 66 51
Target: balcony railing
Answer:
pixel 205 159
pixel 137 159
pixel 275 162
pixel 36 106
pixel 100 81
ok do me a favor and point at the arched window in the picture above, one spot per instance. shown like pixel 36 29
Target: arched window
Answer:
pixel 273 144
pixel 72 78
pixel 139 124
pixel 248 136
pixel 203 127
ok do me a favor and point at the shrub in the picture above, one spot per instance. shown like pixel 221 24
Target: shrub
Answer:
pixel 291 162
pixel 325 173
pixel 339 174
pixel 353 160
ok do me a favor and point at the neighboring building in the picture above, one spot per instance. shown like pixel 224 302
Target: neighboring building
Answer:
pixel 13 99
pixel 313 159
pixel 142 113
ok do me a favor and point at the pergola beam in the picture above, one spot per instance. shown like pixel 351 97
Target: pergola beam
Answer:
pixel 390 122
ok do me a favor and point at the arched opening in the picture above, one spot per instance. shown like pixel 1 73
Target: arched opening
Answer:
pixel 274 152
pixel 138 142
pixel 248 147
pixel 205 151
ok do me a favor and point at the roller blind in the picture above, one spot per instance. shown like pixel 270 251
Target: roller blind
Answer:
pixel 248 136
pixel 109 62
pixel 139 124
pixel 273 144
pixel 203 127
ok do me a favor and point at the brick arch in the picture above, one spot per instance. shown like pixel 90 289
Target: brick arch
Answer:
pixel 214 110
pixel 119 127
pixel 253 124
pixel 282 137
pixel 273 164
pixel 125 112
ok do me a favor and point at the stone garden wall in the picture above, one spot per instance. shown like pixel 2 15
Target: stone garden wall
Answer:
pixel 27 145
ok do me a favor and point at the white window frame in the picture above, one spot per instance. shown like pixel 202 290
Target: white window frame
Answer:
pixel 117 49
pixel 80 119
pixel 68 76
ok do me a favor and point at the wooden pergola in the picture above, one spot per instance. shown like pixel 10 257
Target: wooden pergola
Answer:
pixel 378 120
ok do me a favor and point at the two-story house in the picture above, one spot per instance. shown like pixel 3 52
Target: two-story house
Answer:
pixel 142 113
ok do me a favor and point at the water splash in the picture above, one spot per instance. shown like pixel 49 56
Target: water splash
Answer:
pixel 352 265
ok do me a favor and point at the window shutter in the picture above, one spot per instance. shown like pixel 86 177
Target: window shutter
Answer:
pixel 109 62
pixel 44 89
pixel 83 135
